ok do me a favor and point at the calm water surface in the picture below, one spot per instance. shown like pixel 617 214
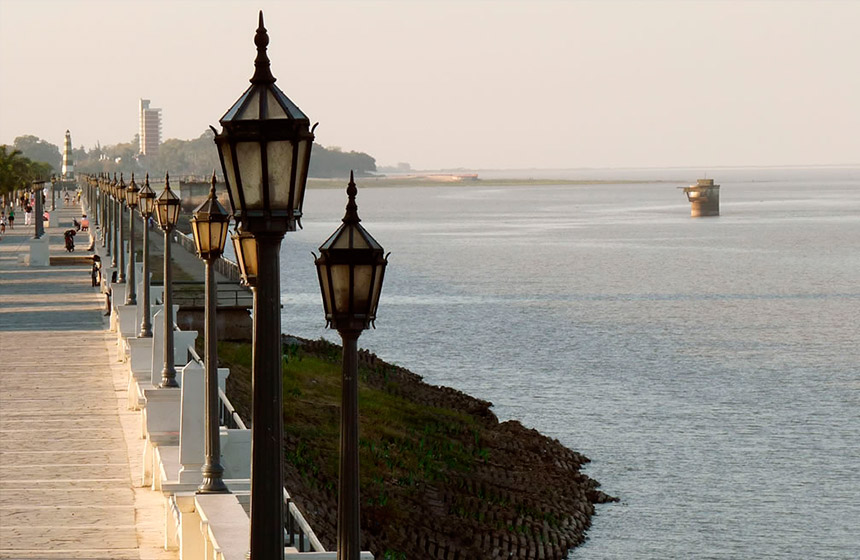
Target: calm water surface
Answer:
pixel 710 368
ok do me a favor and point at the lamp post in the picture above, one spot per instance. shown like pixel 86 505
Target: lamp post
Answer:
pixel 209 225
pixel 113 219
pixel 104 220
pixel 53 192
pixel 350 267
pixel 38 185
pixel 167 213
pixel 265 147
pixel 120 207
pixel 146 200
pixel 131 197
pixel 96 203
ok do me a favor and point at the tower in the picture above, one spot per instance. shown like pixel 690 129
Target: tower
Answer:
pixel 150 128
pixel 704 198
pixel 68 165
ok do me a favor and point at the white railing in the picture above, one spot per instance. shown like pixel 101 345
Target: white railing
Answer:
pixel 297 531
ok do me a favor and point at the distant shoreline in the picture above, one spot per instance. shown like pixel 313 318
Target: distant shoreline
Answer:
pixel 440 180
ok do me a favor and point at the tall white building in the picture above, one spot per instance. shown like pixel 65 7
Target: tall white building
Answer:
pixel 150 128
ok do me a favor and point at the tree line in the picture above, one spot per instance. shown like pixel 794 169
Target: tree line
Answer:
pixel 17 171
pixel 182 158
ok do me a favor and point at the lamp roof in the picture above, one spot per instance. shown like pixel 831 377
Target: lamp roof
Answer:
pixel 351 235
pixel 263 100
pixel 146 191
pixel 167 196
pixel 210 210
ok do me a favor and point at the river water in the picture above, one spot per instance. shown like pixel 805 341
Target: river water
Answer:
pixel 709 367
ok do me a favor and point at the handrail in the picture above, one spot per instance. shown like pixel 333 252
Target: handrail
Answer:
pixel 296 526
pixel 294 518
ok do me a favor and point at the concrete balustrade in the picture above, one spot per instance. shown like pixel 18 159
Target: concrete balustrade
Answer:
pixel 200 527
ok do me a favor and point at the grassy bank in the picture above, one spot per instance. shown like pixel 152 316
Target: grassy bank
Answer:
pixel 437 468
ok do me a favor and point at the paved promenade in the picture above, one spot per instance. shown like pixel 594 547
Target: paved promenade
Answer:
pixel 69 448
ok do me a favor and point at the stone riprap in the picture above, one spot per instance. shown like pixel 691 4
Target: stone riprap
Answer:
pixel 67 450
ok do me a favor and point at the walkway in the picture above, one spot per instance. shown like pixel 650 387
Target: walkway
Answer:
pixel 69 449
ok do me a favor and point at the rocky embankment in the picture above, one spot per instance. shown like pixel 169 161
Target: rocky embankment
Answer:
pixel 441 476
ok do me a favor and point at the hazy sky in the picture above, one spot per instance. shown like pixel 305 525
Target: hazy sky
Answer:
pixel 466 83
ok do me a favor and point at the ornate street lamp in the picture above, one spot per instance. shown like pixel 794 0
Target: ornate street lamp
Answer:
pixel 119 192
pixel 146 201
pixel 54 192
pixel 114 235
pixel 38 185
pixel 350 268
pixel 131 197
pixel 209 225
pixel 104 210
pixel 167 214
pixel 265 147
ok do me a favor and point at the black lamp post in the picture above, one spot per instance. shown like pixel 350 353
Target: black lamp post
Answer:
pixel 54 192
pixel 350 267
pixel 131 196
pixel 38 185
pixel 113 219
pixel 265 147
pixel 104 220
pixel 209 225
pixel 146 200
pixel 167 213
pixel 119 192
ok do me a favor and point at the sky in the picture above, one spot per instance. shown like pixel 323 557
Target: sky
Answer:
pixel 456 84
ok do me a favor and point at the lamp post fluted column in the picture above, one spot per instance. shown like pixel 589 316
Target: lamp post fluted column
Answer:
pixel 209 225
pixel 120 207
pixel 348 516
pixel 131 196
pixel 267 458
pixel 39 212
pixel 167 211
pixel 113 218
pixel 146 199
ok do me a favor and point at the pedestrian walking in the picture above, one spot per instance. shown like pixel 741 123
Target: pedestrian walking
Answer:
pixel 12 218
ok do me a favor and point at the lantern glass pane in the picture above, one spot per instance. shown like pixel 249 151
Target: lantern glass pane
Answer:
pixel 363 276
pixel 230 172
pixel 342 240
pixel 377 289
pixel 251 169
pixel 251 108
pixel 249 253
pixel 280 160
pixel 222 235
pixel 240 260
pixel 273 108
pixel 325 287
pixel 198 229
pixel 302 174
pixel 340 286
pixel 173 214
pixel 214 238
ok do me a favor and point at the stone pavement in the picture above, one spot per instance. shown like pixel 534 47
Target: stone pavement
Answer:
pixel 69 448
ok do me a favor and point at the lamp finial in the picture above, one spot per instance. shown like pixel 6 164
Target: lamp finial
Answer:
pixel 262 72
pixel 351 216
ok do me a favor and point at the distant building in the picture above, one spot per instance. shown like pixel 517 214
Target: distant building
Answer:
pixel 704 198
pixel 150 128
pixel 68 165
